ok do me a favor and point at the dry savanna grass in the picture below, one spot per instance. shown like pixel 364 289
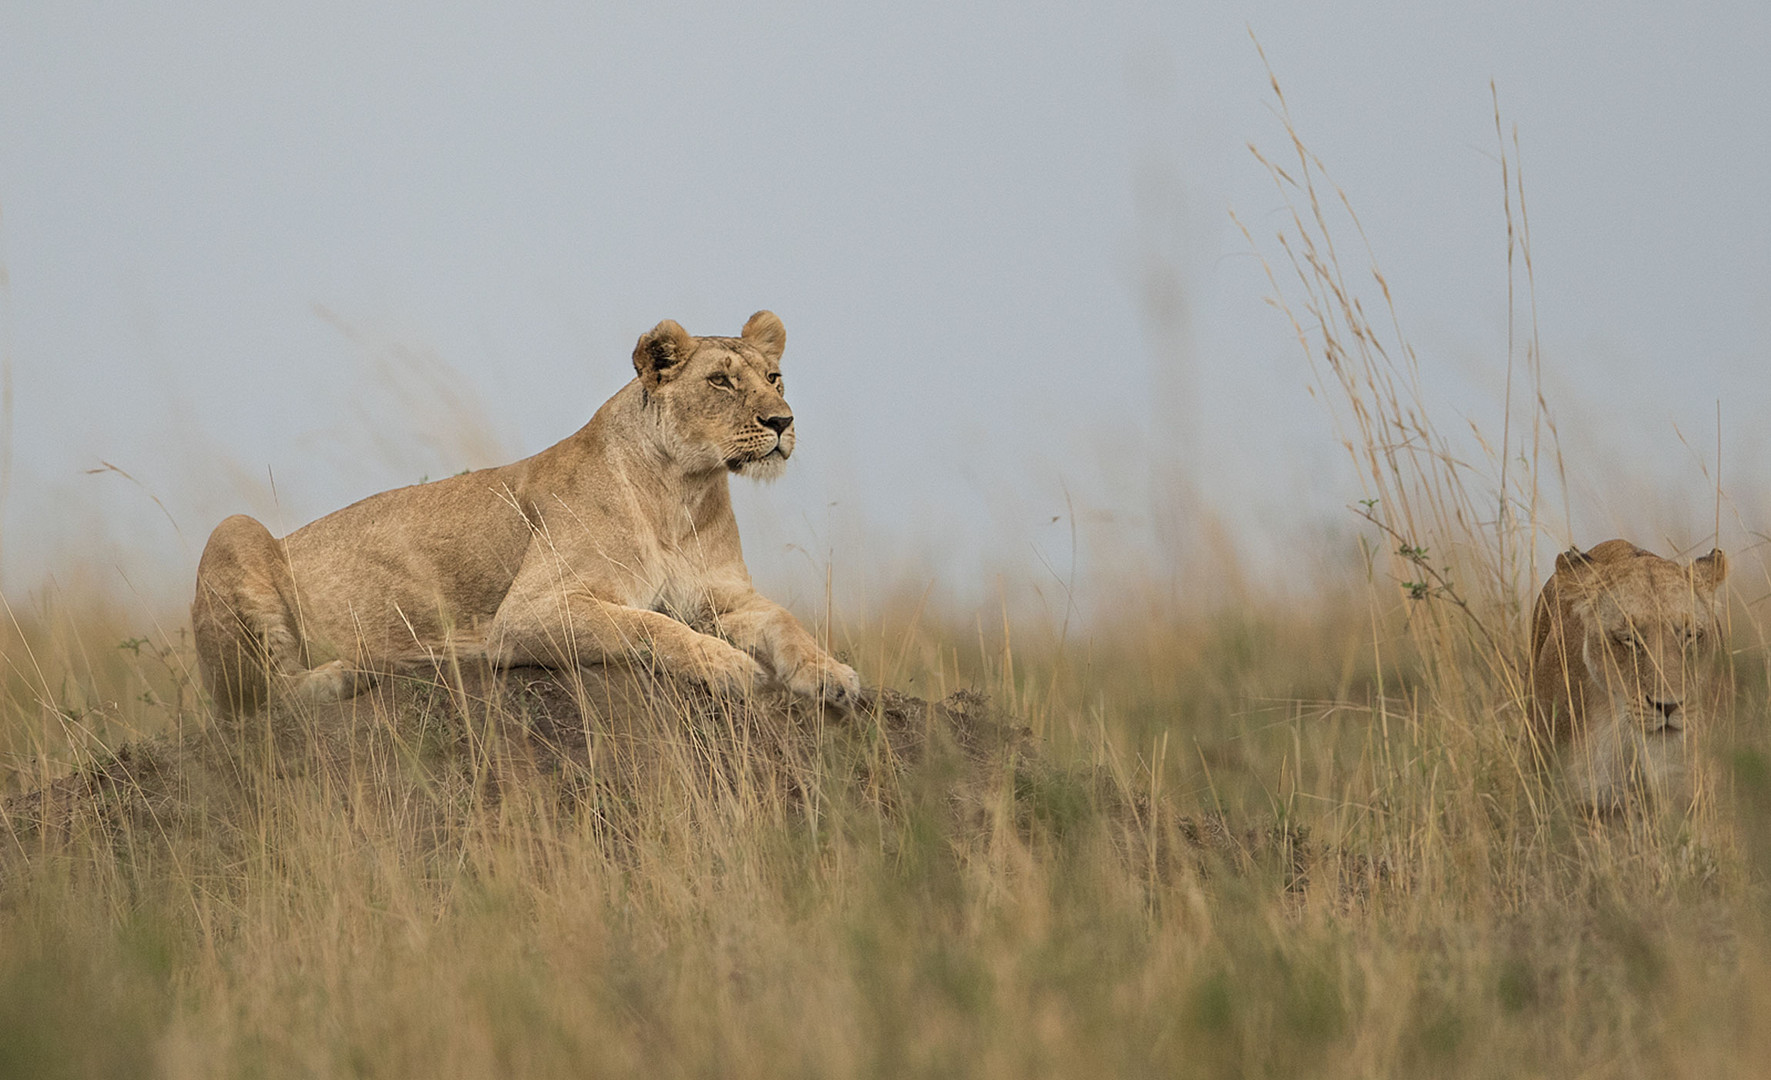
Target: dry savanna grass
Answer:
pixel 1284 837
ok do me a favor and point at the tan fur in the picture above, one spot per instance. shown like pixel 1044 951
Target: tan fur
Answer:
pixel 1621 640
pixel 616 544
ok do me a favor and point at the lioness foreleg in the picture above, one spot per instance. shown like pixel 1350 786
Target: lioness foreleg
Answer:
pixel 764 628
pixel 574 627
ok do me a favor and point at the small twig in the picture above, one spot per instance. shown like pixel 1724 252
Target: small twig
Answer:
pixel 1440 585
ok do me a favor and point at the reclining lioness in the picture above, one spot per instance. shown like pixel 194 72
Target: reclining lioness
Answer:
pixel 616 544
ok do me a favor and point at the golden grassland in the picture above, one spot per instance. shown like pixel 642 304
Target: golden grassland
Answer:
pixel 1269 837
pixel 1250 843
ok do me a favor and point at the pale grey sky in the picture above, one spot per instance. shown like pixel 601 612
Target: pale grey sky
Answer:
pixel 341 245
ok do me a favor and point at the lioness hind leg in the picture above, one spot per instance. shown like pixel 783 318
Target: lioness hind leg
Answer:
pixel 240 616
pixel 246 631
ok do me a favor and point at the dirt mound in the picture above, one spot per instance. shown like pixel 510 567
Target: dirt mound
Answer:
pixel 589 738
pixel 603 747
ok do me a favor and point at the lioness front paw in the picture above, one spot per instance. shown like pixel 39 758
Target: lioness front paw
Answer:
pixel 726 670
pixel 826 679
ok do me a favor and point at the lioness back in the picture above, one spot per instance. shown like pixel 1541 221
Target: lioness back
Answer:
pixel 388 569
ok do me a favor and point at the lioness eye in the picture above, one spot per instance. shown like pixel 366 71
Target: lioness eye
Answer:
pixel 721 381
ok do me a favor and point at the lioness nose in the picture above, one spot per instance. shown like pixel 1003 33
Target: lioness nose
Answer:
pixel 777 424
pixel 1668 709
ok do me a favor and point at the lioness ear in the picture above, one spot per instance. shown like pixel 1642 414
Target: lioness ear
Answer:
pixel 765 331
pixel 660 350
pixel 1572 558
pixel 1710 570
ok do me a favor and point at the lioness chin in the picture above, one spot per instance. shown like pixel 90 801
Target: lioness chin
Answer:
pixel 1622 648
pixel 615 544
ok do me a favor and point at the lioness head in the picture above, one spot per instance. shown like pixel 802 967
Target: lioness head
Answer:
pixel 720 398
pixel 1623 641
